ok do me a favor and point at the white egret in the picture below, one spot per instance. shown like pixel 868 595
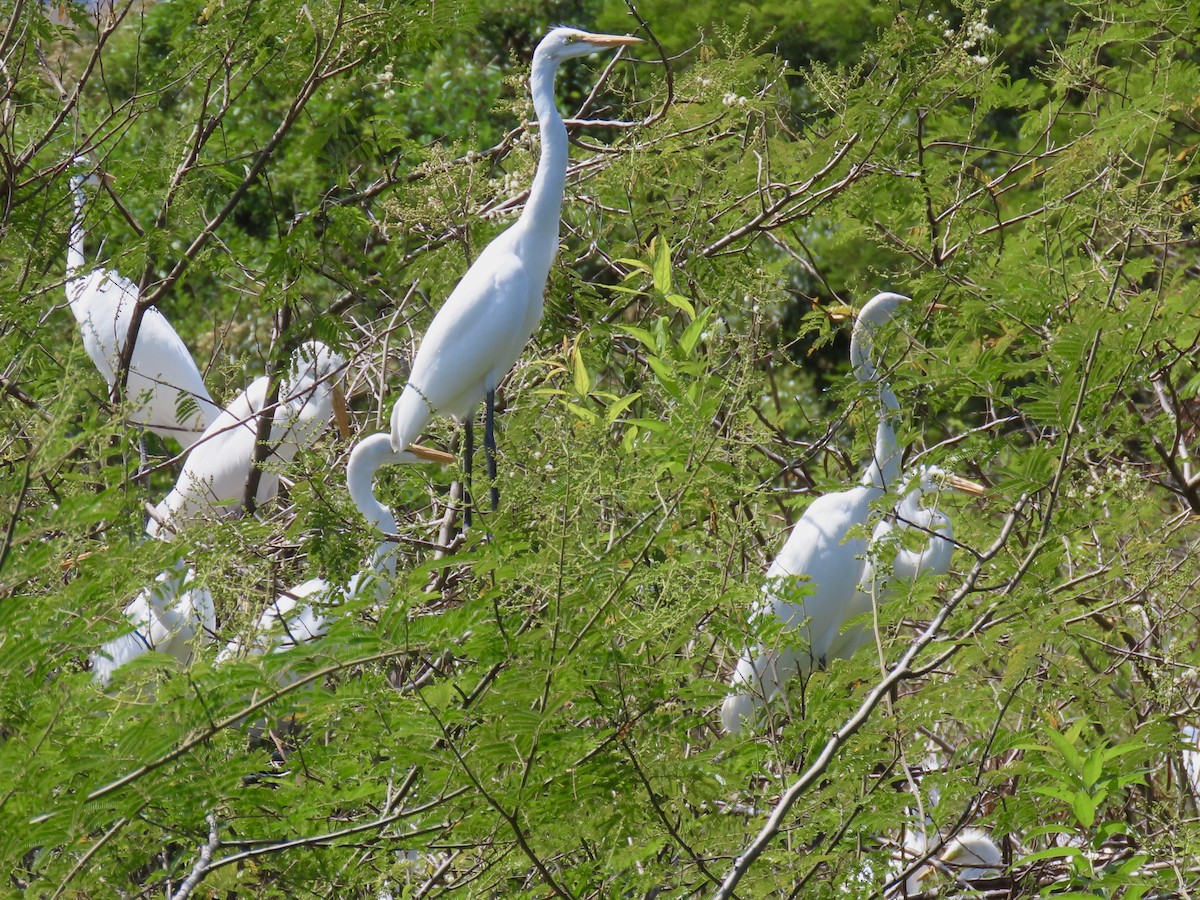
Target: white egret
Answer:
pixel 479 333
pixel 813 584
pixel 282 626
pixel 172 617
pixel 166 393
pixel 215 473
pixel 968 855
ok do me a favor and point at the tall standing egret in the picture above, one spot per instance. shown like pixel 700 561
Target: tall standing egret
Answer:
pixel 812 585
pixel 166 393
pixel 479 333
pixel 215 473
pixel 171 617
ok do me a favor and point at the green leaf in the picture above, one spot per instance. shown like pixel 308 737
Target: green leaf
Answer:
pixel 662 266
pixel 579 371
pixel 586 415
pixel 665 376
pixel 1065 749
pixel 691 335
pixel 1050 853
pixel 1084 807
pixel 681 302
pixel 619 406
pixel 643 336
pixel 1092 767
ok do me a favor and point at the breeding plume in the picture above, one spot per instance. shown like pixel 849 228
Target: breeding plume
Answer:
pixel 215 474
pixel 165 391
pixel 479 333
pixel 286 623
pixel 813 586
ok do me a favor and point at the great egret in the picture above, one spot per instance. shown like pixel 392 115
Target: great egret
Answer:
pixel 281 626
pixel 165 390
pixel 215 472
pixel 812 587
pixel 479 333
pixel 968 855
pixel 172 617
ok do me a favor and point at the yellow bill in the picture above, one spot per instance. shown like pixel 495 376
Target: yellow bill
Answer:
pixel 428 453
pixel 967 487
pixel 613 40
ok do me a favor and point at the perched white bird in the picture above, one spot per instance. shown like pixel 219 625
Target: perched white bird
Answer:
pixel 286 623
pixel 165 391
pixel 214 475
pixel 172 617
pixel 968 855
pixel 813 586
pixel 884 568
pixel 479 333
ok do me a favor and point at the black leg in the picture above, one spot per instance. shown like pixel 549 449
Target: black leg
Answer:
pixel 468 454
pixel 489 445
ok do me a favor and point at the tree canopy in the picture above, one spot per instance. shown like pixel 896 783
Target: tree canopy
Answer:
pixel 533 710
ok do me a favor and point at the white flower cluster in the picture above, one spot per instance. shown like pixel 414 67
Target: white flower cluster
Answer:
pixel 974 33
pixel 514 183
pixel 732 99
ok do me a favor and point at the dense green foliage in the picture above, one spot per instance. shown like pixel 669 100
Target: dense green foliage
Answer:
pixel 534 713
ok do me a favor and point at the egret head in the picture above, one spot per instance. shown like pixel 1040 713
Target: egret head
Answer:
pixel 933 480
pixel 564 43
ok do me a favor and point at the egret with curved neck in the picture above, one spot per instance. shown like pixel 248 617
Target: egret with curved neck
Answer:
pixel 884 469
pixel 479 333
pixel 282 625
pixel 813 582
pixel 165 389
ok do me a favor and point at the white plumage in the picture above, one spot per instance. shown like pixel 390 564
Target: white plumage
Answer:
pixel 171 617
pixel 165 390
pixel 816 574
pixel 822 577
pixel 968 855
pixel 213 480
pixel 479 333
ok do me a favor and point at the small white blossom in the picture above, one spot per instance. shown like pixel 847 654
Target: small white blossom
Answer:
pixel 979 60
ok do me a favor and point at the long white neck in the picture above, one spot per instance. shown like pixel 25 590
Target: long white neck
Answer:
pixel 884 469
pixel 544 207
pixel 368 455
pixel 75 238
